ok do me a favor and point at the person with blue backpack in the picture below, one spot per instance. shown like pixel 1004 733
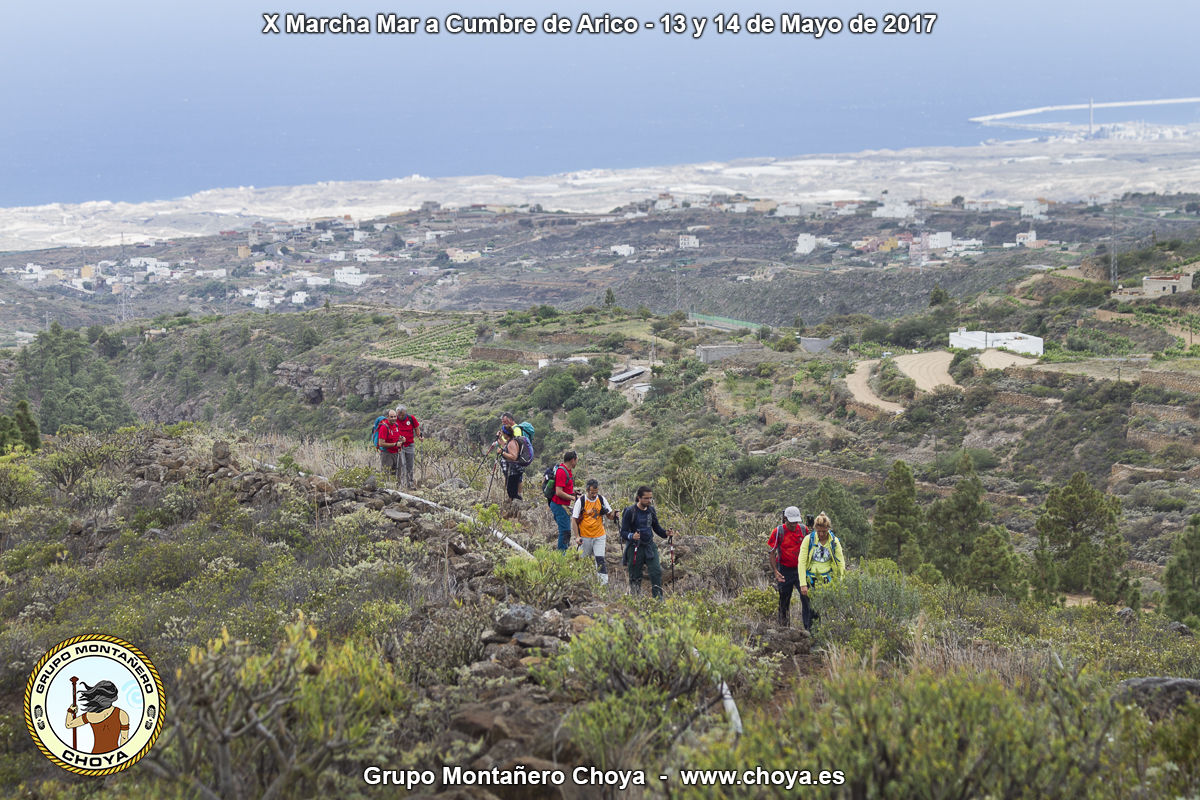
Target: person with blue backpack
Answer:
pixel 385 437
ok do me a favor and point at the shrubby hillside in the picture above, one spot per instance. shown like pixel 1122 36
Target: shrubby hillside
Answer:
pixel 1020 545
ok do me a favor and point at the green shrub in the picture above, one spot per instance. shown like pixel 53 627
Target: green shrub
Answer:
pixel 19 485
pixel 868 609
pixel 759 602
pixel 958 734
pixel 549 578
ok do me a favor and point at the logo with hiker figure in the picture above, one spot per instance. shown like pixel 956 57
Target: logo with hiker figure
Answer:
pixel 94 705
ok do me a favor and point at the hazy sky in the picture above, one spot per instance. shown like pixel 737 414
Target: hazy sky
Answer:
pixel 149 100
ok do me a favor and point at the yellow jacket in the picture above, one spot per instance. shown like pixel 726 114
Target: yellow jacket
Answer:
pixel 810 562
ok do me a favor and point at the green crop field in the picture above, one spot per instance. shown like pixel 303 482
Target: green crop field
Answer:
pixel 437 344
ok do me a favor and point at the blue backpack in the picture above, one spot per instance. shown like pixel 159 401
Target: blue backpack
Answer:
pixel 375 431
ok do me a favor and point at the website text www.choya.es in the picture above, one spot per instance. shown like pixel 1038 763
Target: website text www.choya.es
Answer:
pixel 521 775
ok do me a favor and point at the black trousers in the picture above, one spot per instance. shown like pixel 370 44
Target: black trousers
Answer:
pixel 792 580
pixel 512 484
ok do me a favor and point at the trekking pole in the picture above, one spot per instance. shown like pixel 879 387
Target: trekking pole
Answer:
pixel 74 702
pixel 671 547
pixel 475 474
pixel 488 494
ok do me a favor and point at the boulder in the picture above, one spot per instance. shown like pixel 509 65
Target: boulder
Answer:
pixel 1180 628
pixel 1127 615
pixel 1159 696
pixel 513 618
pixel 398 516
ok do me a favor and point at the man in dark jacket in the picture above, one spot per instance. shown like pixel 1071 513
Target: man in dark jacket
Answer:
pixel 639 523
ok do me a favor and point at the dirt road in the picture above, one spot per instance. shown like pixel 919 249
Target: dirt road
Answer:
pixel 1000 359
pixel 856 382
pixel 929 370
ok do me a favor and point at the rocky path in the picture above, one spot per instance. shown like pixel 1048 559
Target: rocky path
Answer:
pixel 856 381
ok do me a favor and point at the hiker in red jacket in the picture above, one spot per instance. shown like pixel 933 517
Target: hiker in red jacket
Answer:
pixel 410 430
pixel 389 443
pixel 785 542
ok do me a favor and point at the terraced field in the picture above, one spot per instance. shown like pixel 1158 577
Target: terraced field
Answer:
pixel 437 344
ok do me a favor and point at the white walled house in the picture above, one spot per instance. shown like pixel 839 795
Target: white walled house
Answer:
pixel 299 298
pixel 623 250
pixel 1166 284
pixel 316 280
pixel 687 242
pixel 805 244
pixel 1009 340
pixel 351 276
pixel 940 240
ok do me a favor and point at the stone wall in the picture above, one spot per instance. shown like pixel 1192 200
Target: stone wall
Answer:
pixel 506 354
pixel 1161 412
pixel 1154 442
pixel 1178 381
pixel 708 353
pixel 1021 400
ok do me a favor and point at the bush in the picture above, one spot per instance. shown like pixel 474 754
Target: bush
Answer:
pixel 549 578
pixel 19 485
pixel 869 609
pixel 958 734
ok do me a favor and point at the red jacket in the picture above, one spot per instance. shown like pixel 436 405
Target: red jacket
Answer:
pixel 390 435
pixel 789 548
pixel 408 428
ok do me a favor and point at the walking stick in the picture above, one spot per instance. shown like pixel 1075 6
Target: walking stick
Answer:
pixel 488 494
pixel 75 703
pixel 475 474
pixel 671 547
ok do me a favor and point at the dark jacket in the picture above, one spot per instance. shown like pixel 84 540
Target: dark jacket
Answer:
pixel 628 524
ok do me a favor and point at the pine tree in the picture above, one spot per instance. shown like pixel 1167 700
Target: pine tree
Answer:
pixel 1182 579
pixel 898 521
pixel 28 426
pixel 610 299
pixel 845 512
pixel 1043 581
pixel 1076 520
pixel 10 435
pixel 956 522
pixel 994 566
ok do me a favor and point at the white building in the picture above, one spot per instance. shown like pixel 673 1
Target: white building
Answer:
pixel 623 250
pixel 262 300
pixel 940 240
pixel 316 280
pixel 337 255
pixel 1034 209
pixel 1010 340
pixel 365 254
pixel 299 298
pixel 351 276
pixel 894 210
pixel 805 244
pixel 787 211
pixel 150 263
pixel 1166 284
pixel 1026 239
pixel 212 273
pixel 688 242
pixel 359 236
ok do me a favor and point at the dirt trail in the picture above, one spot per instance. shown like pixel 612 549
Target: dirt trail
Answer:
pixel 856 382
pixel 1000 359
pixel 929 370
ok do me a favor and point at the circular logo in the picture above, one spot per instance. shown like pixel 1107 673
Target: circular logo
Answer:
pixel 94 705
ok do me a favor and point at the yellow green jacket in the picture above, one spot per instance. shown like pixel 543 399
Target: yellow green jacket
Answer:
pixel 810 564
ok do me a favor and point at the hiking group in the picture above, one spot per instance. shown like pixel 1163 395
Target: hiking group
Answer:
pixel 394 435
pixel 802 556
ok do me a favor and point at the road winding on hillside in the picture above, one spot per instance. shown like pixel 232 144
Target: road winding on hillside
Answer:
pixel 1001 359
pixel 856 382
pixel 928 370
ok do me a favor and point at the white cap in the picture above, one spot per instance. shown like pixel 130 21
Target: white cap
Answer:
pixel 792 514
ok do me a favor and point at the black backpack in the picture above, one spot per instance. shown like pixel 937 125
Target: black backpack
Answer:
pixel 548 475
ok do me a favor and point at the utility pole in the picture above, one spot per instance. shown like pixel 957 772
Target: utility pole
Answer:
pixel 1112 251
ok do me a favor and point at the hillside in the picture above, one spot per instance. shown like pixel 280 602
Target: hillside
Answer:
pixel 209 494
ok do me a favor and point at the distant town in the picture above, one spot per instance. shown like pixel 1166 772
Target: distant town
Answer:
pixel 496 257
